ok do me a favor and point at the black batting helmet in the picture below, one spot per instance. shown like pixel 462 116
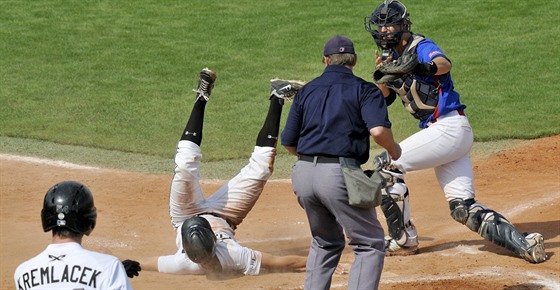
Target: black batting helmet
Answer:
pixel 69 204
pixel 199 240
pixel 389 13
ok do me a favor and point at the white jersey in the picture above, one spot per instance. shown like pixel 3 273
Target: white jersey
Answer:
pixel 69 266
pixel 233 257
pixel 232 201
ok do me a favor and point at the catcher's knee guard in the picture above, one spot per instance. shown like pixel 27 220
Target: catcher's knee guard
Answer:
pixel 491 225
pixel 460 209
pixel 394 204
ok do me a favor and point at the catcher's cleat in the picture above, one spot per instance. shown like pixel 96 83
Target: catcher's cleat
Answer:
pixel 535 253
pixel 205 84
pixel 393 249
pixel 284 89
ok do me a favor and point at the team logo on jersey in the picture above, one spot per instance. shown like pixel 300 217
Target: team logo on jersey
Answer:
pixel 431 55
pixel 55 258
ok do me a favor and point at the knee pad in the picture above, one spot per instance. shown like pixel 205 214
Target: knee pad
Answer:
pixel 392 175
pixel 460 209
pixel 467 212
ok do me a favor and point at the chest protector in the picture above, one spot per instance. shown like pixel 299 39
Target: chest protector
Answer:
pixel 419 98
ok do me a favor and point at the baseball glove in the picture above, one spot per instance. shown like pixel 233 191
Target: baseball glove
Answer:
pixel 382 78
pixel 396 69
pixel 131 267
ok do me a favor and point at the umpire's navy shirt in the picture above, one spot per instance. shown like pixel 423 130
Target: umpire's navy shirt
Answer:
pixel 332 114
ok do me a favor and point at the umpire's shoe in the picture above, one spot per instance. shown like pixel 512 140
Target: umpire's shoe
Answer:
pixel 205 84
pixel 284 89
pixel 535 253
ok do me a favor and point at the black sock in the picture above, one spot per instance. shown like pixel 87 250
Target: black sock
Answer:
pixel 268 135
pixel 193 129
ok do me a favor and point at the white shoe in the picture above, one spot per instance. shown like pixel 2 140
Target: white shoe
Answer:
pixel 406 245
pixel 535 253
pixel 392 248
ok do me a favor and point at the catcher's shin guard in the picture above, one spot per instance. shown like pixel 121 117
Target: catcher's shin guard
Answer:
pixel 495 228
pixel 394 204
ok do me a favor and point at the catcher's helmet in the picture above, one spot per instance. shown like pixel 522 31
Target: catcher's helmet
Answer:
pixel 389 13
pixel 199 240
pixel 69 204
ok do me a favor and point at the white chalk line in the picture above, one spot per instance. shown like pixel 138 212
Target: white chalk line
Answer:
pixel 550 199
pixel 35 160
pixel 69 165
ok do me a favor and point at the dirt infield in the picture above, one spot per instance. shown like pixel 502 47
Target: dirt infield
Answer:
pixel 522 183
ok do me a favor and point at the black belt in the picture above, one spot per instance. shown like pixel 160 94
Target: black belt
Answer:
pixel 319 159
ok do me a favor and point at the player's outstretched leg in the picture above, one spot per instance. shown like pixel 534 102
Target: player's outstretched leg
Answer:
pixel 242 192
pixel 280 90
pixel 193 129
pixel 496 228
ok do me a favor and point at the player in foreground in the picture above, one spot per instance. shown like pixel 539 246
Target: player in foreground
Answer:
pixel 69 212
pixel 206 226
pixel 421 78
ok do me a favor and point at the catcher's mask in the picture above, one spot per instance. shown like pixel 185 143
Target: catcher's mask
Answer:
pixel 69 204
pixel 389 13
pixel 199 240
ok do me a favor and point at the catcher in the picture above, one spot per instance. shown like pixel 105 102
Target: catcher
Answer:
pixel 206 226
pixel 414 69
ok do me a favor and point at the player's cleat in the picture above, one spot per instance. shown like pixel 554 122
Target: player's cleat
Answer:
pixel 535 253
pixel 405 246
pixel 205 84
pixel 393 249
pixel 284 89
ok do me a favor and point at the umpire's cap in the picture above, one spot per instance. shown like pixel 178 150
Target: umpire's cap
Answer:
pixel 338 44
pixel 199 240
pixel 69 204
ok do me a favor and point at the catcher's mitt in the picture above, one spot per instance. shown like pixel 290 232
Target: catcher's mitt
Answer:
pixel 396 69
pixel 382 78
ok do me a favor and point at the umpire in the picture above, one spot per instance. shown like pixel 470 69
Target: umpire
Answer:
pixel 329 124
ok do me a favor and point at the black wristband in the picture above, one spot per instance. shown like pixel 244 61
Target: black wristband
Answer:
pixel 425 69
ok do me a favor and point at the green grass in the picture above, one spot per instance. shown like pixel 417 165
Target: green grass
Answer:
pixel 117 75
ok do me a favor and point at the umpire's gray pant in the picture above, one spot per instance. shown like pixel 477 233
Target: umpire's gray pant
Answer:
pixel 321 191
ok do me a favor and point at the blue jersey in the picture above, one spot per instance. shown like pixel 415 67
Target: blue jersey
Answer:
pixel 448 101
